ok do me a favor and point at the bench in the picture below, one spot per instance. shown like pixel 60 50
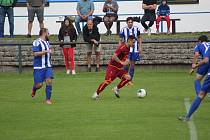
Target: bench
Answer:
pixel 119 21
pixel 172 20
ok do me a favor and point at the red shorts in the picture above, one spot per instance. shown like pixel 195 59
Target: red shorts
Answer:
pixel 113 72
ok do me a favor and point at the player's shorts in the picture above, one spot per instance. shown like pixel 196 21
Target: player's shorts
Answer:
pixel 133 56
pixel 40 75
pixel 113 72
pixel 92 47
pixel 203 69
pixel 39 11
pixel 206 84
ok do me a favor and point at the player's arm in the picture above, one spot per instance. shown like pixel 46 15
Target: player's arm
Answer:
pixel 42 52
pixel 115 57
pixel 194 62
pixel 204 61
pixel 195 58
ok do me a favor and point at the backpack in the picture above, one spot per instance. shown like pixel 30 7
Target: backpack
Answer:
pixel 6 2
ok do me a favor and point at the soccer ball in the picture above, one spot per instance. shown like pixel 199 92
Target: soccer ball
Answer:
pixel 141 93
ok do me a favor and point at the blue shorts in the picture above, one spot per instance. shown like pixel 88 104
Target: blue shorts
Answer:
pixel 206 84
pixel 134 56
pixel 40 75
pixel 203 69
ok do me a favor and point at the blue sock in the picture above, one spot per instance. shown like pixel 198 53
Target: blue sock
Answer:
pixel 197 85
pixel 194 106
pixel 48 91
pixel 131 72
pixel 126 68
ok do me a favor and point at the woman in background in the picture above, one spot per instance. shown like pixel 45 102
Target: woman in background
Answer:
pixel 67 34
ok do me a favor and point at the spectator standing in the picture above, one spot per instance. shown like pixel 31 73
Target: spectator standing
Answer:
pixel 85 9
pixel 35 7
pixel 6 8
pixel 149 7
pixel 163 13
pixel 67 34
pixel 92 36
pixel 111 9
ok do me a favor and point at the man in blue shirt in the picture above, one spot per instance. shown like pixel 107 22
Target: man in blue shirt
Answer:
pixel 42 64
pixel 204 89
pixel 85 9
pixel 163 12
pixel 200 51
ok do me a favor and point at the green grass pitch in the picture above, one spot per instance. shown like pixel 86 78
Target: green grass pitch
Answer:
pixel 75 116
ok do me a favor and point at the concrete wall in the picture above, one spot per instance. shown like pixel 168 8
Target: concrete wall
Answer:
pixel 153 54
pixel 188 23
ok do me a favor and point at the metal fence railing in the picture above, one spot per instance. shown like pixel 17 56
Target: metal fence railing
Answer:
pixel 19 46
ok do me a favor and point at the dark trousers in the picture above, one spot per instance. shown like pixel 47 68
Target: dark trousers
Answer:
pixel 148 17
pixel 10 14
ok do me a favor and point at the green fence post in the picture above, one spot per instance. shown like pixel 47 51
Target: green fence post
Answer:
pixel 19 59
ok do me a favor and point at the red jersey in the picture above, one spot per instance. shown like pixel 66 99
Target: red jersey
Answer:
pixel 122 53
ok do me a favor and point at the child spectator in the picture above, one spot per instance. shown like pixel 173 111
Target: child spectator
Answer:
pixel 163 12
pixel 68 34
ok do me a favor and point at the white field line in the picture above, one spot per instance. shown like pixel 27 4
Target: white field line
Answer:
pixel 191 124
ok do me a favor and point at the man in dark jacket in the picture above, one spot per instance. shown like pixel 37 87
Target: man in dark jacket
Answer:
pixel 149 7
pixel 6 8
pixel 92 36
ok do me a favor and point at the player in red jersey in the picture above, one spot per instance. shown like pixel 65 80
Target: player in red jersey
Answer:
pixel 115 68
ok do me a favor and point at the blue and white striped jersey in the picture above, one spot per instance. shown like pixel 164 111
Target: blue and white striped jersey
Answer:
pixel 43 61
pixel 135 31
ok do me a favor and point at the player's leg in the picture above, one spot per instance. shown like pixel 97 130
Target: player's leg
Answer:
pixel 132 67
pixel 196 103
pixel 197 83
pixel 48 80
pixel 125 78
pixel 143 22
pixel 110 76
pixel 38 81
pixel 127 68
pixel 133 57
pixel 200 73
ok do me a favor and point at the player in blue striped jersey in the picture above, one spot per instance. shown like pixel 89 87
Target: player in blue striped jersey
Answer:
pixel 200 50
pixel 135 51
pixel 42 64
